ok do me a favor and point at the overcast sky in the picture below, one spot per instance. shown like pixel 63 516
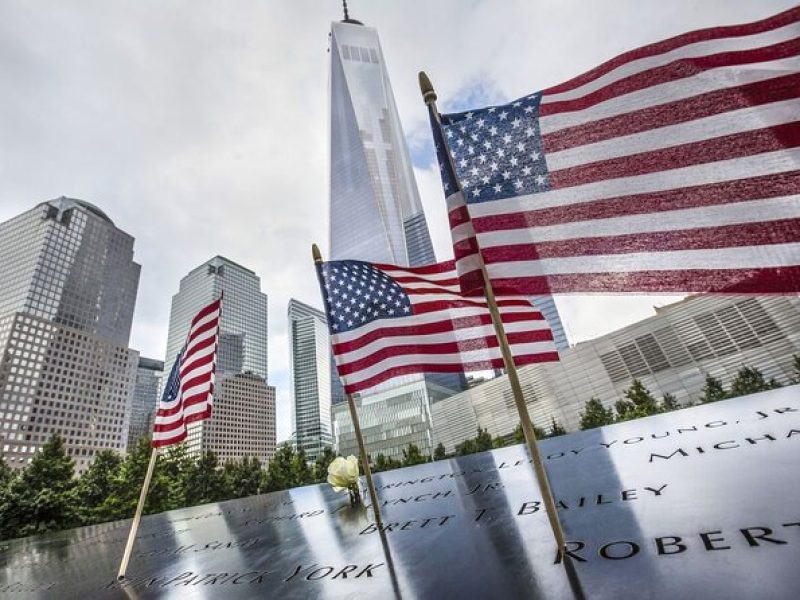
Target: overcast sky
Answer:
pixel 200 126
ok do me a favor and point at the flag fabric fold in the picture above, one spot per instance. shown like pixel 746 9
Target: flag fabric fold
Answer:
pixel 386 321
pixel 189 392
pixel 671 168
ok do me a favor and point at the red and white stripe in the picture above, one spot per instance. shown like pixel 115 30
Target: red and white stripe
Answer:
pixel 196 396
pixel 447 332
pixel 674 167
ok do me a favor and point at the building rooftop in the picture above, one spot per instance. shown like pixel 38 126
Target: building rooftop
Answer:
pixel 63 203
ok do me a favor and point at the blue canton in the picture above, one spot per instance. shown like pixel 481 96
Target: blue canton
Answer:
pixel 357 293
pixel 497 151
pixel 174 381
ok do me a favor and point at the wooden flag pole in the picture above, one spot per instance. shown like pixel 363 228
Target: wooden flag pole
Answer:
pixel 362 450
pixel 123 566
pixel 429 96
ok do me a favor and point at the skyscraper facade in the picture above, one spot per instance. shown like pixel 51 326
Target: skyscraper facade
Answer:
pixel 376 213
pixel 66 307
pixel 310 365
pixel 145 398
pixel 242 345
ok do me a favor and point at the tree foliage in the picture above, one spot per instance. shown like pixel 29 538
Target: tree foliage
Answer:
pixel 384 463
pixel 595 414
pixel 413 456
pixel 322 463
pixel 439 452
pixel 713 390
pixel 556 429
pixel 750 380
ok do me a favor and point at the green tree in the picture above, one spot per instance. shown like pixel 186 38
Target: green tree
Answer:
pixel 322 463
pixel 6 473
pixel 42 498
pixel 519 435
pixel 483 440
pixel 750 380
pixel 413 456
pixel 280 473
pixel 301 469
pixel 383 463
pixel 204 481
pixel 713 390
pixel 173 463
pixel 556 429
pixel 439 452
pixel 127 483
pixel 95 485
pixel 595 414
pixel 243 477
pixel 669 403
pixel 796 368
pixel 466 447
pixel 498 442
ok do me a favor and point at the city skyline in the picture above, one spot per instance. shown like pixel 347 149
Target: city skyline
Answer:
pixel 116 120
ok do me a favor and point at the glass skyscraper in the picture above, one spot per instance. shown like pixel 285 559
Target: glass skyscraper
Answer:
pixel 145 399
pixel 242 349
pixel 66 305
pixel 310 364
pixel 376 215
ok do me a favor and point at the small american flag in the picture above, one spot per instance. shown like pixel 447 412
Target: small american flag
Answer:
pixel 188 393
pixel 386 321
pixel 673 167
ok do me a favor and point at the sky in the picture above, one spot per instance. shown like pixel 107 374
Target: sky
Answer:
pixel 200 126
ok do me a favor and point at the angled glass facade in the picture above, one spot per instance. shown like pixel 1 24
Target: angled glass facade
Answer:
pixel 145 398
pixel 68 291
pixel 310 365
pixel 242 347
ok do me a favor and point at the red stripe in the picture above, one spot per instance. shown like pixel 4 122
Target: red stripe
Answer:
pixel 675 71
pixel 214 306
pixel 196 364
pixel 401 350
pixel 519 360
pixel 193 382
pixel 726 192
pixel 204 328
pixel 713 33
pixel 726 147
pixel 434 269
pixel 439 305
pixel 431 329
pixel 778 281
pixel 458 216
pixel 199 416
pixel 471 282
pixel 780 231
pixel 441 282
pixel 464 248
pixel 198 347
pixel 169 441
pixel 672 113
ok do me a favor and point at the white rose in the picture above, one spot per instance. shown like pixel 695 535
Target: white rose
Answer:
pixel 343 473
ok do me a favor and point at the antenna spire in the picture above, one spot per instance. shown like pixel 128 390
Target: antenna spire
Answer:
pixel 346 15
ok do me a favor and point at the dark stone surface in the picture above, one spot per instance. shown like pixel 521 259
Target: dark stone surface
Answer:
pixel 698 503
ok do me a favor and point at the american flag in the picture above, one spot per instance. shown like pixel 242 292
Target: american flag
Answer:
pixel 386 321
pixel 188 393
pixel 674 167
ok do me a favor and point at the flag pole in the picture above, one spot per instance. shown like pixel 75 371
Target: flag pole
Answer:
pixel 429 97
pixel 362 450
pixel 138 515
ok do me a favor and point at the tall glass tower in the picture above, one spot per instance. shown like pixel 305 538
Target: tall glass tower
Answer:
pixel 376 215
pixel 68 291
pixel 242 350
pixel 310 363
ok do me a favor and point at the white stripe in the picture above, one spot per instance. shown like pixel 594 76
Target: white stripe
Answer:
pixel 417 286
pixel 727 123
pixel 206 319
pixel 753 211
pixel 467 336
pixel 200 388
pixel 470 263
pixel 697 49
pixel 462 232
pixel 433 277
pixel 168 436
pixel 670 91
pixel 743 257
pixel 199 354
pixel 423 319
pixel 745 167
pixel 195 409
pixel 445 359
pixel 198 339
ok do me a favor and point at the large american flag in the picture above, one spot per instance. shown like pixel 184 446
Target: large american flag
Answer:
pixel 386 321
pixel 674 167
pixel 189 392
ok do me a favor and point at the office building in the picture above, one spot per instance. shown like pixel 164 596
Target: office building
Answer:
pixel 242 350
pixel 145 399
pixel 66 307
pixel 310 368
pixel 375 211
pixel 671 352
